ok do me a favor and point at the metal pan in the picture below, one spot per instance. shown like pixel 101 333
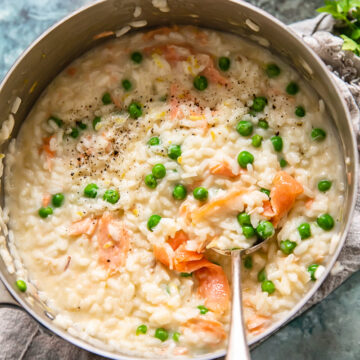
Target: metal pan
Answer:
pixel 74 35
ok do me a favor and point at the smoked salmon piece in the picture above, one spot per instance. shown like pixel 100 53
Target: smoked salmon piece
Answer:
pixel 174 254
pixel 165 255
pixel 113 241
pixel 49 154
pixel 217 204
pixel 179 238
pixel 256 324
pixel 213 285
pixel 183 255
pixel 174 53
pixel 170 52
pixel 212 73
pixel 283 194
pixel 210 328
pixel 46 199
pixel 309 203
pixel 85 226
pixel 222 169
pixel 268 210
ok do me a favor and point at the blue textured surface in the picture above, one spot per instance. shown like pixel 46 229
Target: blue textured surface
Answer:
pixel 329 330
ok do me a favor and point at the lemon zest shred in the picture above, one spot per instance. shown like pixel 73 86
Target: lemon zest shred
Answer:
pixel 160 115
pixel 135 212
pixel 157 61
pixel 108 244
pixel 196 117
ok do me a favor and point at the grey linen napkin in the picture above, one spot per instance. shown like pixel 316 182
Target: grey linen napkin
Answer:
pixel 22 338
pixel 345 67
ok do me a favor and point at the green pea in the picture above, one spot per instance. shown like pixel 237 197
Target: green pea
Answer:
pixel 90 190
pixel 136 57
pixel 44 212
pixel 176 336
pixel 203 309
pixel 245 158
pixel 312 269
pixel 244 128
pixel 256 140
pixel 259 103
pixel 325 221
pixel 272 70
pixel 161 334
pixel 268 286
pixel 265 191
pixel 126 84
pixel 81 125
pixel 263 124
pixel 74 133
pixel 244 219
pixel 135 110
pixel 300 111
pixel 21 285
pixel 224 63
pixel 185 275
pixel 179 192
pixel 154 141
pixel 248 231
pixel 200 193
pixel 159 171
pixel 304 231
pixel 141 329
pixel 324 185
pixel 56 120
pixel 292 88
pixel 277 142
pixel 287 246
pixel 57 199
pixel 265 229
pixel 163 98
pixel 261 275
pixel 106 98
pixel 174 151
pixel 248 262
pixel 150 181
pixel 111 196
pixel 283 163
pixel 153 221
pixel 200 82
pixel 96 120
pixel 318 134
pixel 252 112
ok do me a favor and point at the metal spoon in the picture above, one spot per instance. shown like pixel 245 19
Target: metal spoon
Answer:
pixel 237 347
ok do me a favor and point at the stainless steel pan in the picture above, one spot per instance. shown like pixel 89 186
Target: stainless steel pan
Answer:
pixel 71 37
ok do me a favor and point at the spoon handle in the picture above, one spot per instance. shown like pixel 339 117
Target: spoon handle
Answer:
pixel 237 345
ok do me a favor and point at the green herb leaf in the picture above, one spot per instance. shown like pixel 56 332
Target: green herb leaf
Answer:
pixel 350 45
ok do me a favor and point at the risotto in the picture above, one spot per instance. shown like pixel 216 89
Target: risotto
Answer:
pixel 146 152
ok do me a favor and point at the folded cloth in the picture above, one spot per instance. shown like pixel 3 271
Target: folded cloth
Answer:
pixel 22 338
pixel 345 67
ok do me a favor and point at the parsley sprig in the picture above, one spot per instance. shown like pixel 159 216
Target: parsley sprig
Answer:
pixel 347 14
